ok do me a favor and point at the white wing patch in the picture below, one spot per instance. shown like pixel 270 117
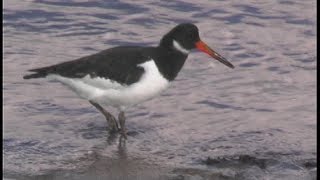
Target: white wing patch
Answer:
pixel 84 90
pixel 101 82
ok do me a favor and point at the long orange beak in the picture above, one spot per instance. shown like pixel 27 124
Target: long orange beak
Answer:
pixel 205 48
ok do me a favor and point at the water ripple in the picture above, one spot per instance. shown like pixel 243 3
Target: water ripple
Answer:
pixel 254 118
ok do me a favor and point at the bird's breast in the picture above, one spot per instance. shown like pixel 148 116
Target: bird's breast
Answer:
pixel 149 85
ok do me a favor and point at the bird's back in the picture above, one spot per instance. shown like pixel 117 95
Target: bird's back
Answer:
pixel 118 64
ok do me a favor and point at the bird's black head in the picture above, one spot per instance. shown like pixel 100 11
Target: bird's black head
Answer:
pixel 185 37
pixel 185 34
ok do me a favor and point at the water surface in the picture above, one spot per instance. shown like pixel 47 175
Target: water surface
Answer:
pixel 257 121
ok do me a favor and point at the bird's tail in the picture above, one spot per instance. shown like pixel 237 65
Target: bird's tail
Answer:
pixel 38 73
pixel 31 76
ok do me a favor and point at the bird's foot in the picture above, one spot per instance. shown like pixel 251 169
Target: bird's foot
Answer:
pixel 122 120
pixel 123 133
pixel 112 124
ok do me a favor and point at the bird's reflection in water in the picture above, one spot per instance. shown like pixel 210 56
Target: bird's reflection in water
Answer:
pixel 111 138
pixel 122 150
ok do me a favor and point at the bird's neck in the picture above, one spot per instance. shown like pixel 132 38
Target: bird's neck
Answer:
pixel 170 61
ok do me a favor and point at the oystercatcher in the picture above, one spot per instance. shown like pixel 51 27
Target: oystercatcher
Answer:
pixel 127 75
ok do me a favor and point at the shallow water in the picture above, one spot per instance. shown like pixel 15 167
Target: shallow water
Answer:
pixel 257 121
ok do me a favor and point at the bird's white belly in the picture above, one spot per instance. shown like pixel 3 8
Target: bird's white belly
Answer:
pixel 111 93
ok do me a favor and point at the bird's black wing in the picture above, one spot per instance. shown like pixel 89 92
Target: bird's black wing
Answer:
pixel 118 64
